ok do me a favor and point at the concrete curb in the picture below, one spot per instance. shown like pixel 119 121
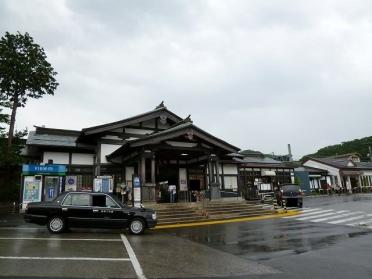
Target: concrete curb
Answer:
pixel 235 220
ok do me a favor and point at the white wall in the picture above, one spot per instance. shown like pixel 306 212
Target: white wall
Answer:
pixel 107 149
pixel 230 169
pixel 57 157
pixel 231 182
pixel 82 159
pixel 331 170
pixel 129 171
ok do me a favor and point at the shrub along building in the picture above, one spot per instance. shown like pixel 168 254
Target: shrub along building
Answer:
pixel 158 147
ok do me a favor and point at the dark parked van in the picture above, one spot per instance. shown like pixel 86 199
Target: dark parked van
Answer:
pixel 289 195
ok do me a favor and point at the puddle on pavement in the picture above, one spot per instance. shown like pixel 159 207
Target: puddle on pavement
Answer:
pixel 272 240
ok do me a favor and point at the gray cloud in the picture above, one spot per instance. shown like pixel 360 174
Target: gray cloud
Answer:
pixel 259 74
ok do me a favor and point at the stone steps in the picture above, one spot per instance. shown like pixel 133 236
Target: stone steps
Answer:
pixel 237 215
pixel 219 210
pixel 233 210
pixel 232 207
pixel 177 214
pixel 177 220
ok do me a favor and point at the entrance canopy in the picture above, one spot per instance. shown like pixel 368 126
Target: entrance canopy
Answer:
pixel 183 140
pixel 350 173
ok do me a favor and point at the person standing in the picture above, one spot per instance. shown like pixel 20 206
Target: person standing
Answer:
pixel 172 193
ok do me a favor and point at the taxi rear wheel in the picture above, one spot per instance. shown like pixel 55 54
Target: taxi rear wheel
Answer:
pixel 56 224
pixel 137 226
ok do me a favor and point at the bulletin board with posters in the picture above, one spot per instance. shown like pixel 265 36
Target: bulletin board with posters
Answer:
pixel 32 187
pixel 103 184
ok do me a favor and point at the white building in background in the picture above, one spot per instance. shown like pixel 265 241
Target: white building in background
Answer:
pixel 345 171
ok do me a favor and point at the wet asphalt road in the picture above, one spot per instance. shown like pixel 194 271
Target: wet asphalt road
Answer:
pixel 276 248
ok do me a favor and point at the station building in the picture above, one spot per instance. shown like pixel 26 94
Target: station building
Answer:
pixel 158 146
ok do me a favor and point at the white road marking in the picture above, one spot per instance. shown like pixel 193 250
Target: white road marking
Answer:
pixel 305 214
pixel 133 258
pixel 321 215
pixel 360 223
pixel 65 258
pixel 20 228
pixel 310 209
pixel 319 212
pixel 346 220
pixel 61 239
pixel 336 217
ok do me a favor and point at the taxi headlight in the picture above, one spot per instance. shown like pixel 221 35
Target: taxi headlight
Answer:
pixel 154 216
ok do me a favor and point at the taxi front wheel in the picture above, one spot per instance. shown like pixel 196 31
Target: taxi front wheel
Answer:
pixel 137 226
pixel 56 224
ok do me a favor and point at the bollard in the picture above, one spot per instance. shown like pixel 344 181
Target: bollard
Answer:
pixel 285 206
pixel 274 204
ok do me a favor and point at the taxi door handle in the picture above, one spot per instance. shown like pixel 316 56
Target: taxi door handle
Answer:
pixel 95 210
pixel 64 209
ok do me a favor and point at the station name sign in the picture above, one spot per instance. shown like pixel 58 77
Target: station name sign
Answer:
pixel 44 169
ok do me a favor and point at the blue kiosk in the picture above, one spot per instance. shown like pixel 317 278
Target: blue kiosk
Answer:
pixel 41 182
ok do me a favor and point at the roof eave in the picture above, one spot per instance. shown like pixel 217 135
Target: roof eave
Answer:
pixel 129 121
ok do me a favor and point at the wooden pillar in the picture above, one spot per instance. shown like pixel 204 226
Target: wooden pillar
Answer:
pixel 210 172
pixel 217 166
pixel 142 170
pixel 98 162
pixel 153 169
pixel 223 178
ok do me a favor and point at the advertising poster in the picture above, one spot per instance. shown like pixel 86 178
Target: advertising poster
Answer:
pixel 71 183
pixel 97 185
pixel 31 190
pixel 183 179
pixel 183 185
pixel 105 185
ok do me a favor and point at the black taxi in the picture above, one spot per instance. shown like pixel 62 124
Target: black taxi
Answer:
pixel 89 209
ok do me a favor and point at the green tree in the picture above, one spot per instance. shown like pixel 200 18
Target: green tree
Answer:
pixel 10 159
pixel 360 146
pixel 4 119
pixel 24 73
pixel 10 155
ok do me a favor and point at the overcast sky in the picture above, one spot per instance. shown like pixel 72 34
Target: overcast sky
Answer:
pixel 258 74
